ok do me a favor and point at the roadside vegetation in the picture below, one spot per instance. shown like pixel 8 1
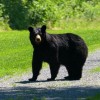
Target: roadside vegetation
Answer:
pixel 16 50
pixel 96 97
pixel 97 69
pixel 81 17
pixel 19 14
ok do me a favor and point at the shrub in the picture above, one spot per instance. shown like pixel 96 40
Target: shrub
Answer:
pixel 19 14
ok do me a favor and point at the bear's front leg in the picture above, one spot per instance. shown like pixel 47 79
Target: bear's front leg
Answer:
pixel 54 71
pixel 36 67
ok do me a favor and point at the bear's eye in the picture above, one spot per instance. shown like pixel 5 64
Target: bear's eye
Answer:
pixel 38 31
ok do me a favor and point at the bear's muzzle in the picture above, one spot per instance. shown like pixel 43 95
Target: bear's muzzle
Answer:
pixel 38 39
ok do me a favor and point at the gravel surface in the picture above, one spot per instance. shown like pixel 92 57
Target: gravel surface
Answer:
pixel 19 88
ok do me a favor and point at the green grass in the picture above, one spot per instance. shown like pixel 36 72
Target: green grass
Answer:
pixel 96 97
pixel 97 69
pixel 16 50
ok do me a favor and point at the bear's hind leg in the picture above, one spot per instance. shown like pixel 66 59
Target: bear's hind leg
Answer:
pixel 75 73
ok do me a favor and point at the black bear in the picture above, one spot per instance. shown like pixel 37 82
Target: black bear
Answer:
pixel 67 49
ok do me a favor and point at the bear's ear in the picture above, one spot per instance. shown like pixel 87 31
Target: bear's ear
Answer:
pixel 43 29
pixel 30 29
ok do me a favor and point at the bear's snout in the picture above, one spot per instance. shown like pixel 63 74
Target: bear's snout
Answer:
pixel 38 39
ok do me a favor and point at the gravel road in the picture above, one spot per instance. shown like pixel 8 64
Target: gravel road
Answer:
pixel 19 88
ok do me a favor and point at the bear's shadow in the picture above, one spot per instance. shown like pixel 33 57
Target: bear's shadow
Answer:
pixel 26 82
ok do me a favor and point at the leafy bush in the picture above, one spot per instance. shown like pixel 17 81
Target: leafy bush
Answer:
pixel 91 11
pixel 19 14
pixel 16 12
pixel 47 12
pixel 3 21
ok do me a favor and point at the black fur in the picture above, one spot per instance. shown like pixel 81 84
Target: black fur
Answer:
pixel 67 49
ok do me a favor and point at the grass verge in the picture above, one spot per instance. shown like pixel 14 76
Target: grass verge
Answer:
pixel 97 69
pixel 15 53
pixel 96 97
pixel 16 50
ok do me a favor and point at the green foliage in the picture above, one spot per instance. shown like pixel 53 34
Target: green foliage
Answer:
pixel 19 14
pixel 3 21
pixel 16 13
pixel 42 13
pixel 91 11
pixel 1 6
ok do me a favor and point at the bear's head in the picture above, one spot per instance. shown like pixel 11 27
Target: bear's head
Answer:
pixel 37 35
